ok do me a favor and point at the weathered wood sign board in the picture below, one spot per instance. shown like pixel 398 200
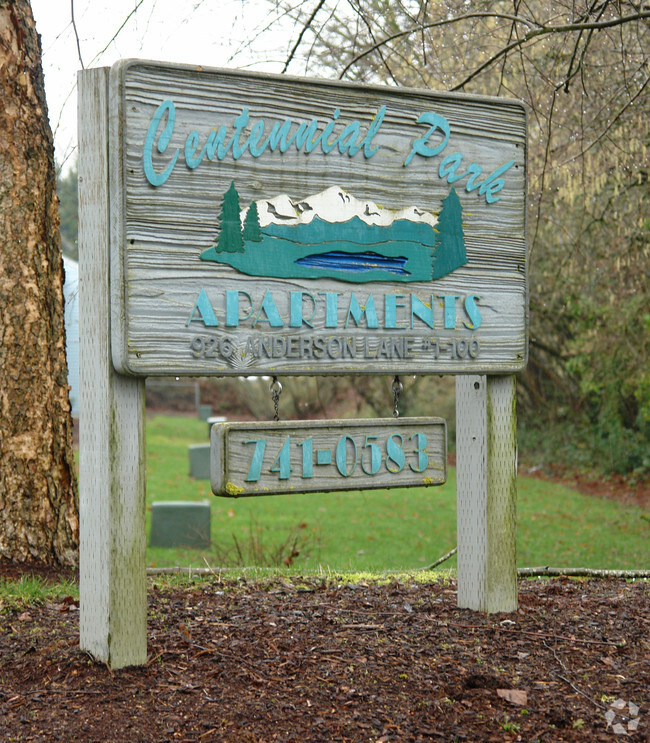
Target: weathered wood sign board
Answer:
pixel 321 456
pixel 269 225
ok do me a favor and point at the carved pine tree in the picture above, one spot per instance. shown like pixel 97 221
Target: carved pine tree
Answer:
pixel 252 230
pixel 230 233
pixel 449 251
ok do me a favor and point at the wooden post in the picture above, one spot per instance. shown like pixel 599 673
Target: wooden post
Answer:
pixel 112 580
pixel 486 446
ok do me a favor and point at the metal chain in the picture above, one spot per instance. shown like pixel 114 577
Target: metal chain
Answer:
pixel 397 391
pixel 276 389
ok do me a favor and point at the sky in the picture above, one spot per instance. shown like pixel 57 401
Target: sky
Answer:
pixel 212 33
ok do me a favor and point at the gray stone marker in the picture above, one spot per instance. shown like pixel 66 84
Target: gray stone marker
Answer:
pixel 199 456
pixel 204 412
pixel 180 524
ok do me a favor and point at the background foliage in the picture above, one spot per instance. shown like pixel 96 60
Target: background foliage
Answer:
pixel 66 187
pixel 581 67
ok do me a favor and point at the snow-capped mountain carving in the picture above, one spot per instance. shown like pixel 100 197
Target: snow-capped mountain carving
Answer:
pixel 333 205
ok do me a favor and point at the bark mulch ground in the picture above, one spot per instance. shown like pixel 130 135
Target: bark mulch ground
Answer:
pixel 312 660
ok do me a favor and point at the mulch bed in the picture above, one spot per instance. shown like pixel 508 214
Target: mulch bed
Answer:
pixel 312 660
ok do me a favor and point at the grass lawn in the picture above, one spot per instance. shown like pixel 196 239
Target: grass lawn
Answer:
pixel 382 529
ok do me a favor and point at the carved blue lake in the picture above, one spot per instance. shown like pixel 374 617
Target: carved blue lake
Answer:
pixel 337 260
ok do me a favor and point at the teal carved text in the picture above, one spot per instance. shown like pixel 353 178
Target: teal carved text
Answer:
pixel 220 142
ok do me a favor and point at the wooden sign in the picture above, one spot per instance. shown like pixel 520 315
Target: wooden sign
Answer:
pixel 319 456
pixel 232 223
pixel 268 225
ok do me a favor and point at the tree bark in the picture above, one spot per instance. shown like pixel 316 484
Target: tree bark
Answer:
pixel 38 502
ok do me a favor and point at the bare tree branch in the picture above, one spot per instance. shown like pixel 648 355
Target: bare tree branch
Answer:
pixel 425 26
pixel 570 74
pixel 547 155
pixel 250 42
pixel 513 30
pixel 536 30
pixel 76 34
pixel 611 124
pixel 545 31
pixel 318 34
pixel 310 20
pixel 117 33
pixel 362 15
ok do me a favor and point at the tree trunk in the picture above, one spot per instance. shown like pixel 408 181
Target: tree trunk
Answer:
pixel 38 504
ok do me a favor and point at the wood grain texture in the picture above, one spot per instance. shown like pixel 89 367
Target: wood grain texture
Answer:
pixel 159 233
pixel 112 578
pixel 486 492
pixel 321 456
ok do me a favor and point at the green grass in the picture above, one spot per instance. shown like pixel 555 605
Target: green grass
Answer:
pixel 382 530
pixel 30 590
pixel 558 526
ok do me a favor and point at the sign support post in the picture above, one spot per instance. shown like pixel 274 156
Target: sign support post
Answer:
pixel 112 573
pixel 486 487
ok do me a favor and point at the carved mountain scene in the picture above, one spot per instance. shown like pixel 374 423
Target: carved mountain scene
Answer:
pixel 334 234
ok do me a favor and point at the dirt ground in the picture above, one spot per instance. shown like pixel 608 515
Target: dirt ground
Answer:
pixel 312 660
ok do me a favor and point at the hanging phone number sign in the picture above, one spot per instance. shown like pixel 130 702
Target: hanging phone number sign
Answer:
pixel 269 225
pixel 319 456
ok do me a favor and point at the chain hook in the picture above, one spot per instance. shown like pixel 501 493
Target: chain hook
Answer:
pixel 397 391
pixel 276 389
